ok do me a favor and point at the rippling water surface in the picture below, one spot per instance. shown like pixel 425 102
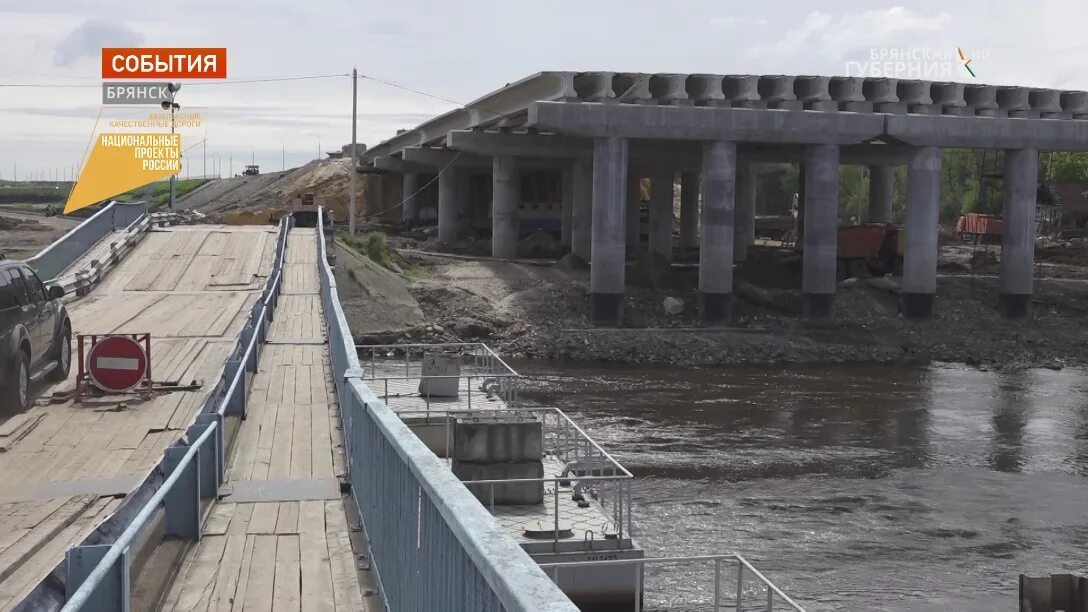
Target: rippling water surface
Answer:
pixel 853 487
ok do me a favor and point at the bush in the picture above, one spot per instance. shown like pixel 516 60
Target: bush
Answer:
pixel 374 245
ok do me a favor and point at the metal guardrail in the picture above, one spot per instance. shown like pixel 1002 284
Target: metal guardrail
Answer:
pixel 98 575
pixel 395 370
pixel 433 545
pixel 766 595
pixel 590 474
pixel 56 257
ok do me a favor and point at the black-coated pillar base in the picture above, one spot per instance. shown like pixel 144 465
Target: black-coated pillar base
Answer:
pixel 1014 305
pixel 606 309
pixel 818 305
pixel 918 305
pixel 715 308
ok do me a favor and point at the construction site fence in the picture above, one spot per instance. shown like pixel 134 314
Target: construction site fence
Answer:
pixel 58 256
pixel 432 544
pixel 98 575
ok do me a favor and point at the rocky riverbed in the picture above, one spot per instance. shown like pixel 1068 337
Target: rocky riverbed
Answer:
pixel 540 310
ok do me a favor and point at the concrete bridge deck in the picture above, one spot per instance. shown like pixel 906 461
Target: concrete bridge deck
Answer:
pixel 64 467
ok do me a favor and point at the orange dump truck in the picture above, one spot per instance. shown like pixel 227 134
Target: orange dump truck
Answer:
pixel 977 227
pixel 869 249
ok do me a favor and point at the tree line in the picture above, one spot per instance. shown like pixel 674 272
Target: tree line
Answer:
pixel 970 182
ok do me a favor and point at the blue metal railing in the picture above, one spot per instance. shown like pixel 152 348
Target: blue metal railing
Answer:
pixel 55 258
pixel 97 576
pixel 433 545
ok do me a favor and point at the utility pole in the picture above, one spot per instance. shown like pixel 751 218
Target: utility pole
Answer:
pixel 204 152
pixel 230 158
pixel 351 197
pixel 173 106
pixel 283 156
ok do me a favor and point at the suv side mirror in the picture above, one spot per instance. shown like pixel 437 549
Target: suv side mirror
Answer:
pixel 56 292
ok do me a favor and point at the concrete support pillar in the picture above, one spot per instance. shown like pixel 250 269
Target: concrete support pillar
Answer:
pixel 448 206
pixel 881 188
pixel 716 240
pixel 745 216
pixel 634 202
pixel 582 205
pixel 566 192
pixel 689 209
pixel 506 196
pixel 800 213
pixel 821 220
pixel 466 204
pixel 606 278
pixel 412 183
pixel 920 254
pixel 661 217
pixel 1018 233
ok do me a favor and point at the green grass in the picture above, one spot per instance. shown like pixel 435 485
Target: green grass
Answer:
pixel 375 245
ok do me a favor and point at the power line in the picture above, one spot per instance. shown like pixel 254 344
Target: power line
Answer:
pixel 190 84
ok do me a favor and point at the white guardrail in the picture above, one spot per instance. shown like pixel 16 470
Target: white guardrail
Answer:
pixel 433 544
pixel 55 258
pixel 97 576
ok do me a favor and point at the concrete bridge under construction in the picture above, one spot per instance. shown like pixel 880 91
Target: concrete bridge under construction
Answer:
pixel 603 132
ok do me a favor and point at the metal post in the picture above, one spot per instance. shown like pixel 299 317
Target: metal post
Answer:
pixel 555 533
pixel 354 161
pixel 639 577
pixel 740 584
pixel 770 598
pixel 173 177
pixel 717 584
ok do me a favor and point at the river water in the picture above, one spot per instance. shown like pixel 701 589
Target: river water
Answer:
pixel 853 487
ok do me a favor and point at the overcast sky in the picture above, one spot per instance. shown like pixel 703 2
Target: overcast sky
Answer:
pixel 461 50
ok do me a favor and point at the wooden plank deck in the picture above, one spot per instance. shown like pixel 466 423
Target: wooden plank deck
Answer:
pixel 281 554
pixel 66 467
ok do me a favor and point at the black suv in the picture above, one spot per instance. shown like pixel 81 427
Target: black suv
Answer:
pixel 35 334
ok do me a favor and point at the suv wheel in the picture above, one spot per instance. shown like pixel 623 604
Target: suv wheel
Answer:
pixel 62 356
pixel 16 395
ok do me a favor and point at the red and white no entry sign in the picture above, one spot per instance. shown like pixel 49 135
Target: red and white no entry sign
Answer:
pixel 117 363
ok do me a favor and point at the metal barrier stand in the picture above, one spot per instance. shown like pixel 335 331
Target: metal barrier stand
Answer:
pixel 773 595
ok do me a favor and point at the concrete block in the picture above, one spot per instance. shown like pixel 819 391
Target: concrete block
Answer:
pixel 669 89
pixel 880 91
pixel 981 97
pixel 705 89
pixel 447 369
pixel 914 92
pixel 812 88
pixel 498 439
pixel 1075 102
pixel 593 86
pixel 741 88
pixel 1013 99
pixel 792 105
pixel 959 111
pixel 924 109
pixel 948 95
pixel 774 89
pixel 846 89
pixel 856 107
pixel 891 107
pixel 1045 100
pixel 503 494
pixel 631 87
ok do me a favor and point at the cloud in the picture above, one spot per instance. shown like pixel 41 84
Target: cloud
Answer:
pixel 735 20
pixel 823 34
pixel 88 39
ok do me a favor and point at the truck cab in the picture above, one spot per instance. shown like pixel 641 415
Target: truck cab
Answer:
pixel 35 334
